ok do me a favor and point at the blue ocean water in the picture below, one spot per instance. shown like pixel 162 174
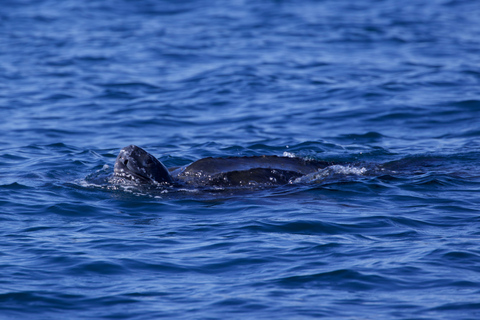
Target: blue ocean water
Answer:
pixel 388 88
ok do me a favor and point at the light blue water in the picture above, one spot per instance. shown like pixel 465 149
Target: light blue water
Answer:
pixel 371 84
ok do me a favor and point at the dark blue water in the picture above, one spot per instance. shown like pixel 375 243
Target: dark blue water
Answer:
pixel 389 89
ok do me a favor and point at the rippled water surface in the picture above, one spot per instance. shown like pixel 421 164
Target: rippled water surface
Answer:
pixel 388 90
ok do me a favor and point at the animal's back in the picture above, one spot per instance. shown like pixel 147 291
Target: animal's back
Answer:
pixel 248 170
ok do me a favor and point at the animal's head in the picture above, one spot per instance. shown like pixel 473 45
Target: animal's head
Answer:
pixel 135 164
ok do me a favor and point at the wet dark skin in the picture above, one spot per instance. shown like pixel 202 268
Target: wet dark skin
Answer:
pixel 137 165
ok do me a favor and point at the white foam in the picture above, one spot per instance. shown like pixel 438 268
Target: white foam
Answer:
pixel 331 171
pixel 348 170
pixel 86 184
pixel 289 154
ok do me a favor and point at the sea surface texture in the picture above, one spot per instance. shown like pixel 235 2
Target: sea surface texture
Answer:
pixel 387 90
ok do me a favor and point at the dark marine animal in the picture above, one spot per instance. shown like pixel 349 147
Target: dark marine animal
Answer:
pixel 134 164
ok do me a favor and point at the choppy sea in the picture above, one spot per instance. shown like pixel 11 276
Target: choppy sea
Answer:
pixel 389 89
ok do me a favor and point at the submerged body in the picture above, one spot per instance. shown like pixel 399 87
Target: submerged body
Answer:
pixel 137 165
